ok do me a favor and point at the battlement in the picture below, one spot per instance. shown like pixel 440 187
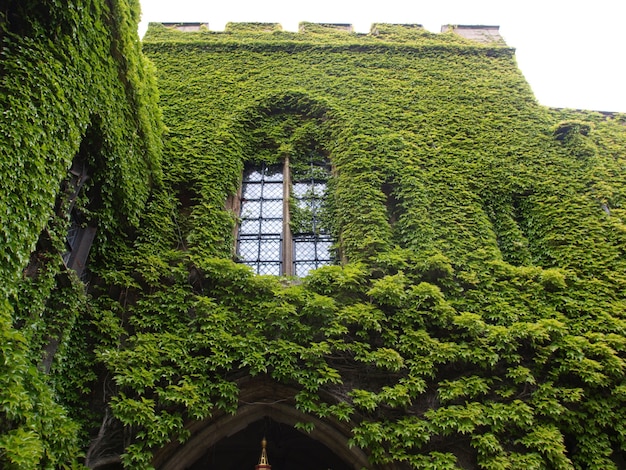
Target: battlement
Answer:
pixel 187 27
pixel 478 33
pixel 306 27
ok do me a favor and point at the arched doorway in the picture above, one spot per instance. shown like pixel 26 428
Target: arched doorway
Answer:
pixel 287 449
pixel 267 409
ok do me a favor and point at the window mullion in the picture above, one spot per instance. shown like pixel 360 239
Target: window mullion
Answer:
pixel 287 245
pixel 259 254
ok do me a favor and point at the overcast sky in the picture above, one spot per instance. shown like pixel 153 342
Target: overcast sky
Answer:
pixel 572 53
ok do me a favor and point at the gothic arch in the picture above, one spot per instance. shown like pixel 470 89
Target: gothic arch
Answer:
pixel 259 398
pixel 291 101
pixel 283 139
pixel 249 120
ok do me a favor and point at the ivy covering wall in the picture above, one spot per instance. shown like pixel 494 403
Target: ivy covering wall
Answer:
pixel 474 318
pixel 477 319
pixel 73 86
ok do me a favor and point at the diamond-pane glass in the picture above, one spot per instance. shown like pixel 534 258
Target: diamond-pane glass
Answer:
pixel 252 174
pixel 269 249
pixel 271 227
pixel 303 268
pixel 251 191
pixel 248 227
pixel 323 249
pixel 250 210
pixel 300 189
pixel 272 208
pixel 260 231
pixel 72 233
pixel 318 189
pixel 304 249
pixel 260 237
pixel 273 191
pixel 268 268
pixel 248 249
pixel 311 245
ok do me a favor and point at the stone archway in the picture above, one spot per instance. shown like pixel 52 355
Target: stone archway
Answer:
pixel 287 449
pixel 262 401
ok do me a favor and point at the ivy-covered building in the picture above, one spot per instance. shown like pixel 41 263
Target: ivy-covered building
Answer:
pixel 373 250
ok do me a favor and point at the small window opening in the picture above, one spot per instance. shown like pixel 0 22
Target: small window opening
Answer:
pixel 81 233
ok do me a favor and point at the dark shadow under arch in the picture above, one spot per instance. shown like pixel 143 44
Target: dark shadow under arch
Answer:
pixel 287 449
pixel 262 400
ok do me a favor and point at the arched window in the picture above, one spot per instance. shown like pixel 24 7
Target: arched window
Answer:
pixel 282 229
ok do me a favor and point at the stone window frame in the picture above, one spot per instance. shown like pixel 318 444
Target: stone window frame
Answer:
pixel 287 260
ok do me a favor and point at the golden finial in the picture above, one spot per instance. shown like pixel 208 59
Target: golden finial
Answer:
pixel 263 462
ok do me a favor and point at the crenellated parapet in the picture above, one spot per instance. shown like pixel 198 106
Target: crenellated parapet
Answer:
pixel 477 33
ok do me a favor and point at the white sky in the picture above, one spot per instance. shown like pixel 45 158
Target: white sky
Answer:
pixel 573 53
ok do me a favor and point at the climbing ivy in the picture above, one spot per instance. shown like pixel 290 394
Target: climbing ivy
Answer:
pixel 476 319
pixel 73 85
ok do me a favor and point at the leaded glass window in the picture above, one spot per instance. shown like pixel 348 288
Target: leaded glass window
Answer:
pixel 282 229
pixel 311 238
pixel 260 240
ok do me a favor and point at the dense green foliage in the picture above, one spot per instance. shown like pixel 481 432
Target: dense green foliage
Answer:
pixel 475 317
pixel 73 83
pixel 478 319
